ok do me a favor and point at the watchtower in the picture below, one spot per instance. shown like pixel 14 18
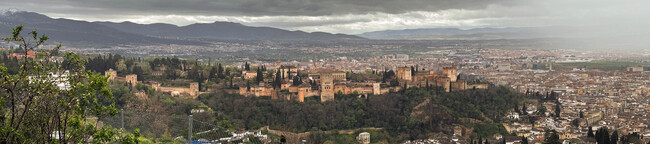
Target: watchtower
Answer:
pixel 132 79
pixel 194 88
pixel 404 74
pixel 326 87
pixel 111 74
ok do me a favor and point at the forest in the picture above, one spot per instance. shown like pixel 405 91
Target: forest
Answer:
pixel 414 113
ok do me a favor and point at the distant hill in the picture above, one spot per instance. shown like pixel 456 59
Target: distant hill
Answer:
pixel 222 30
pixel 127 33
pixel 455 33
pixel 77 32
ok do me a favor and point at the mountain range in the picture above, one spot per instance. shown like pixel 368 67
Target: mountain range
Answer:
pixel 103 34
pixel 477 33
pixel 222 30
pixel 128 33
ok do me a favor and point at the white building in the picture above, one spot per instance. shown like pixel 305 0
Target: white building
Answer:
pixel 364 138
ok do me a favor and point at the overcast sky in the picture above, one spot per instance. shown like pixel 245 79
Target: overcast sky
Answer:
pixel 353 16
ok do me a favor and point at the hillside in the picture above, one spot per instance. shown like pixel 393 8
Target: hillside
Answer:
pixel 455 33
pixel 222 30
pixel 412 114
pixel 75 32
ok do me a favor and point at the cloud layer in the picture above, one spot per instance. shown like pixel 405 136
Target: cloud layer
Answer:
pixel 354 16
pixel 255 7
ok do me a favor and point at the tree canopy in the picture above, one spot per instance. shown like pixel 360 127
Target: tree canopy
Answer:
pixel 409 115
pixel 50 102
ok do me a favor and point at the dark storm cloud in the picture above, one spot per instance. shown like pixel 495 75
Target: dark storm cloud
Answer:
pixel 357 16
pixel 254 7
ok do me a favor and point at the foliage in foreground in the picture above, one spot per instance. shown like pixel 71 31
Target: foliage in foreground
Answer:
pixel 49 100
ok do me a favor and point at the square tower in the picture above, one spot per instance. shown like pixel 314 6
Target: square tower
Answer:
pixel 132 79
pixel 111 74
pixel 303 90
pixel 376 88
pixel 194 88
pixel 450 72
pixel 326 87
pixel 404 73
pixel 444 82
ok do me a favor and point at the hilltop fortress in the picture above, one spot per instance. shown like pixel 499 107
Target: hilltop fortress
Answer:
pixel 325 83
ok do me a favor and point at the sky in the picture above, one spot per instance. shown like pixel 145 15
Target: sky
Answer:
pixel 356 16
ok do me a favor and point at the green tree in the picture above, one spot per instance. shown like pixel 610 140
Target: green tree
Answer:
pixel 517 108
pixel 260 75
pixel 412 71
pixel 541 110
pixel 427 85
pixel 524 140
pixel 602 135
pixel 277 83
pixel 231 85
pixel 138 71
pixel 220 71
pixel 614 138
pixel 35 109
pixel 557 110
pixel 297 80
pixel 283 139
pixel 248 85
pixel 632 138
pixel 171 74
pixel 552 138
pixel 212 74
pixel 524 109
pixel 582 115
pixel 121 66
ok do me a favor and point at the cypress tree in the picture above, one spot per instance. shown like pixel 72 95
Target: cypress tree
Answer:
pixel 602 135
pixel 260 75
pixel 231 82
pixel 412 71
pixel 552 138
pixel 427 83
pixel 557 110
pixel 524 109
pixel 297 80
pixel 220 71
pixel 248 85
pixel 517 108
pixel 278 80
pixel 614 137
